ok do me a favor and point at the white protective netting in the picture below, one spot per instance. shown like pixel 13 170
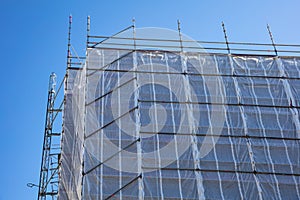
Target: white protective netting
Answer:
pixel 161 125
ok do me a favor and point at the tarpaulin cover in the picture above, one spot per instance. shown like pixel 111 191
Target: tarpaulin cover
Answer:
pixel 164 125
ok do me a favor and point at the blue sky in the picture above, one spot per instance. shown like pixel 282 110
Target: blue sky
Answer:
pixel 34 43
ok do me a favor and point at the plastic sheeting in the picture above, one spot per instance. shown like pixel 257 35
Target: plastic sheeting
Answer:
pixel 71 144
pixel 161 125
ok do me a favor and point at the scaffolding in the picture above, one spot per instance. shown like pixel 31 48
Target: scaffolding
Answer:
pixel 48 184
pixel 173 118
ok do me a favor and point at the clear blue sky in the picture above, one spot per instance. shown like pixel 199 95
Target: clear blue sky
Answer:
pixel 34 43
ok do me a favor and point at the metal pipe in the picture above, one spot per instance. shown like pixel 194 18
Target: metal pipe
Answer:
pixel 272 39
pixel 226 38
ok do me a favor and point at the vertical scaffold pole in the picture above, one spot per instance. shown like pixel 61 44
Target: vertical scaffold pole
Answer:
pixel 272 39
pixel 226 38
pixel 137 118
pixel 134 33
pixel 88 28
pixel 180 36
pixel 69 43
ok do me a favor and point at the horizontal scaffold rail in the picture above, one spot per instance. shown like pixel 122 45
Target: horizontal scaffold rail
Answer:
pixel 130 43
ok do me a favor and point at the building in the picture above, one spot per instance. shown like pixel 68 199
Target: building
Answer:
pixel 165 118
